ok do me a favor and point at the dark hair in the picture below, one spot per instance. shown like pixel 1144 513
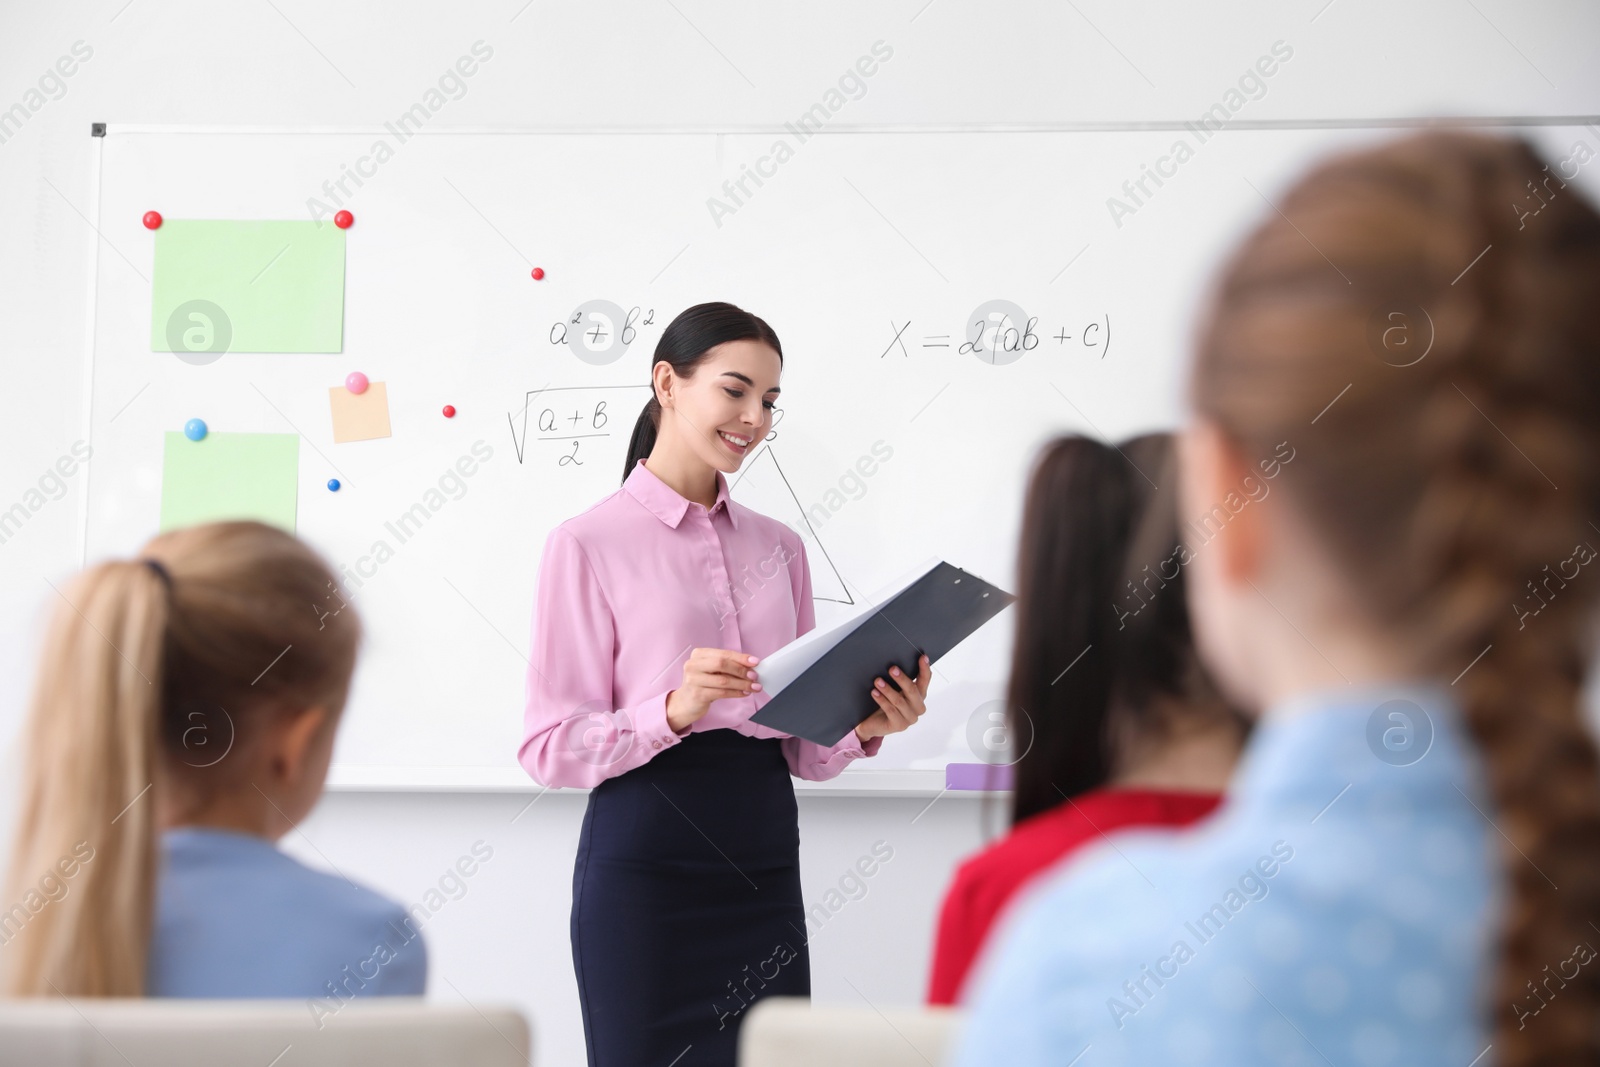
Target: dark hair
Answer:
pixel 1432 484
pixel 1098 524
pixel 684 344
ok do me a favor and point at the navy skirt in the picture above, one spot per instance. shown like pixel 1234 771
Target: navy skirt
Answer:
pixel 686 904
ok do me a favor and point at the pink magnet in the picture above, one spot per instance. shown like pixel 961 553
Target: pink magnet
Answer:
pixel 356 382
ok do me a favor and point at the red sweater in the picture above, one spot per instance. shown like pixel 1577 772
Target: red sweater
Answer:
pixel 985 882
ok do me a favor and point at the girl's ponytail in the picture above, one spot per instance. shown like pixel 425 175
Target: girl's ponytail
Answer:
pixel 80 893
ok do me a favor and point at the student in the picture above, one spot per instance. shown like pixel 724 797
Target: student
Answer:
pixel 1133 733
pixel 1407 870
pixel 183 720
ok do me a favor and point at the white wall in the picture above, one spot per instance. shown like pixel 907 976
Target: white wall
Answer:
pixel 683 62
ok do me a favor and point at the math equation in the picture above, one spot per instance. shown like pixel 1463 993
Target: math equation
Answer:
pixel 565 421
pixel 565 425
pixel 999 332
pixel 600 331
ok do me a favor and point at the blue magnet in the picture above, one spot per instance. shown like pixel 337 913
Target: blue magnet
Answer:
pixel 333 485
pixel 195 429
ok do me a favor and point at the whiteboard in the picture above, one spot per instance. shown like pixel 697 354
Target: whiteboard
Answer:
pixel 905 430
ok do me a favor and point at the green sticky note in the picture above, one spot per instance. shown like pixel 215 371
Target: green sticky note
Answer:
pixel 254 285
pixel 230 476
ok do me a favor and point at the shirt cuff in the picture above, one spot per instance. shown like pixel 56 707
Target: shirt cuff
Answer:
pixel 853 745
pixel 650 724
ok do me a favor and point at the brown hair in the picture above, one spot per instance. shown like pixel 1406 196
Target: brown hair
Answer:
pixel 1102 632
pixel 1440 357
pixel 143 668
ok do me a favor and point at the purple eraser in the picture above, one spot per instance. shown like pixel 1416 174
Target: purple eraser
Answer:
pixel 977 776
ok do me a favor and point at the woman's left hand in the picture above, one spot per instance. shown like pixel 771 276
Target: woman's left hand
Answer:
pixel 899 707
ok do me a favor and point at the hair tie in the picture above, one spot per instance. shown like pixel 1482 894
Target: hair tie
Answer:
pixel 160 570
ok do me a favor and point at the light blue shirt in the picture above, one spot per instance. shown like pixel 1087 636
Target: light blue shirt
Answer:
pixel 236 917
pixel 1340 907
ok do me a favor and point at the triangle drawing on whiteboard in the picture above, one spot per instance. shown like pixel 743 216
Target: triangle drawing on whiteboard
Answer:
pixel 762 487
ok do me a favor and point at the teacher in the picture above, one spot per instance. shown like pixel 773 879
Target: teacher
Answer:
pixel 653 610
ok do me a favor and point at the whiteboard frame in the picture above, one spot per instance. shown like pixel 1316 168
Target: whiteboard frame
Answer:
pixel 1353 123
pixel 927 783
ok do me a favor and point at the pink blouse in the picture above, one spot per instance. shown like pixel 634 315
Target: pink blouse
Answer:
pixel 627 589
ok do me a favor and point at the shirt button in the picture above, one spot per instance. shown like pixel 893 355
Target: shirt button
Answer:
pixel 655 744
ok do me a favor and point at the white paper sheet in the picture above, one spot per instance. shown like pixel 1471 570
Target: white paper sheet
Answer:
pixel 782 667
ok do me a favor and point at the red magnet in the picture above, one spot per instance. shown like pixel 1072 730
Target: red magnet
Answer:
pixel 538 274
pixel 343 219
pixel 449 411
pixel 152 220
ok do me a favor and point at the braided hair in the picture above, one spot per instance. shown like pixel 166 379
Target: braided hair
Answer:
pixel 1454 475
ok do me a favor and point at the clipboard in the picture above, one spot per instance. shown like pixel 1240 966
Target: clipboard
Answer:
pixel 823 683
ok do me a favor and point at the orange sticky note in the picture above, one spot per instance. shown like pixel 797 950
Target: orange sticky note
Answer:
pixel 359 417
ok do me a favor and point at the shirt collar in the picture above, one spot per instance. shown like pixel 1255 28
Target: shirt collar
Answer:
pixel 1310 747
pixel 213 838
pixel 665 502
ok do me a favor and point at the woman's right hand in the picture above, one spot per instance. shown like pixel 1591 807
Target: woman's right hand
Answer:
pixel 709 674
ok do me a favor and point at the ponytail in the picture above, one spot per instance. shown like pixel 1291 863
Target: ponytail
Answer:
pixel 645 429
pixel 1075 523
pixel 80 896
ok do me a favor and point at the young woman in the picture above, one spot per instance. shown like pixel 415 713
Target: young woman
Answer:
pixel 1407 869
pixel 1134 733
pixel 182 722
pixel 654 608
